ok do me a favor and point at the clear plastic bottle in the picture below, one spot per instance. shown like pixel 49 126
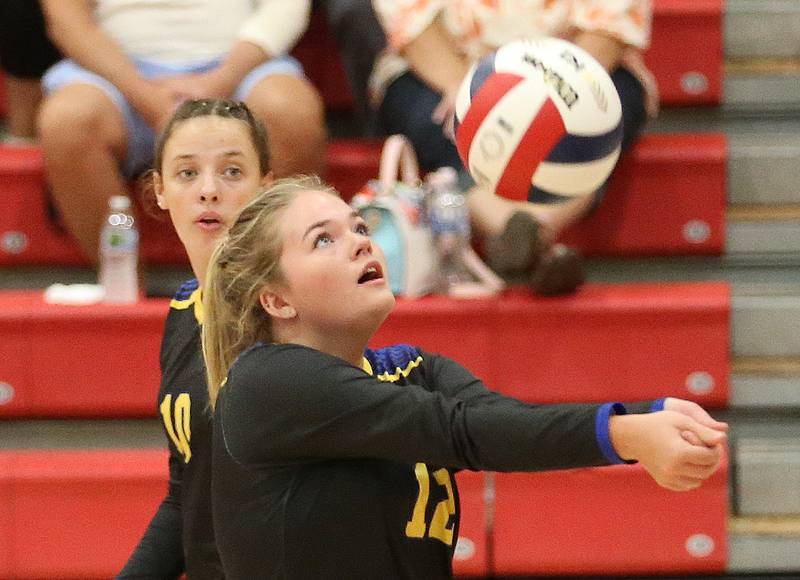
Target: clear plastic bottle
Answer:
pixel 448 215
pixel 119 253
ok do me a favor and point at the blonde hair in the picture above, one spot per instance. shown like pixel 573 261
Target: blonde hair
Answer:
pixel 240 267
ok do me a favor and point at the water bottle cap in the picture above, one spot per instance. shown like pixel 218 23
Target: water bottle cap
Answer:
pixel 444 178
pixel 119 202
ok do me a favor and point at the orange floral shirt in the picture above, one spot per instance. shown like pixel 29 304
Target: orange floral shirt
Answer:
pixel 480 26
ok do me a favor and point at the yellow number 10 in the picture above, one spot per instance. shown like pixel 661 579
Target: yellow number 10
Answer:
pixel 441 514
pixel 179 430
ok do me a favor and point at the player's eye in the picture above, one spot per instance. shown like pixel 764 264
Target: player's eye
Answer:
pixel 323 240
pixel 362 229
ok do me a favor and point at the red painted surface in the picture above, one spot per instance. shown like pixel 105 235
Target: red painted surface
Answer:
pixel 667 197
pixel 611 520
pixel 470 557
pixel 77 514
pixel 620 342
pixel 686 51
pixel 668 185
pixel 90 361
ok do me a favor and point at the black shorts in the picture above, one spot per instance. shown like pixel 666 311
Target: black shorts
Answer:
pixel 25 50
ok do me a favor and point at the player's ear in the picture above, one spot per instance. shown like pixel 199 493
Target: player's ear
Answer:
pixel 267 179
pixel 274 305
pixel 158 189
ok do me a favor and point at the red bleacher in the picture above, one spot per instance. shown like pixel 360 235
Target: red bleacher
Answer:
pixel 608 521
pixel 78 514
pixel 668 198
pixel 685 53
pixel 621 342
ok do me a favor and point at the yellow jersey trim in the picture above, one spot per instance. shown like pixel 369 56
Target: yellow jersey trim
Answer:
pixel 195 300
pixel 367 368
pixel 400 372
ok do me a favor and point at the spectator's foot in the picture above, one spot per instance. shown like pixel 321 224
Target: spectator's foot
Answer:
pixel 559 272
pixel 519 248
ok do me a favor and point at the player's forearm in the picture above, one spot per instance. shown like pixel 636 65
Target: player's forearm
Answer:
pixel 72 28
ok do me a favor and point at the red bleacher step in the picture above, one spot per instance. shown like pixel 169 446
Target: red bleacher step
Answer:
pixel 621 342
pixel 668 197
pixel 79 513
pixel 75 514
pixel 686 51
pixel 607 521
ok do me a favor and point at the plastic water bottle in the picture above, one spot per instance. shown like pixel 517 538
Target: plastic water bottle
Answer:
pixel 448 215
pixel 119 253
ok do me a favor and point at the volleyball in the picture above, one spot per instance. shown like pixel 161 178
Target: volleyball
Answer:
pixel 538 120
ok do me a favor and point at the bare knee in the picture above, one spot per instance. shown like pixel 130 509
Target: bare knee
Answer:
pixel 79 117
pixel 294 115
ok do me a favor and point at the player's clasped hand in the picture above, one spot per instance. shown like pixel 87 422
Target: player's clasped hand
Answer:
pixel 678 451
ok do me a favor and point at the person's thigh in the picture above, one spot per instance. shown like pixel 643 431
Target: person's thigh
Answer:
pixel 631 95
pixel 281 66
pixel 139 138
pixel 406 108
pixel 290 107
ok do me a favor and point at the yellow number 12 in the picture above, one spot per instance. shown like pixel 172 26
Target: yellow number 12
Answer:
pixel 438 529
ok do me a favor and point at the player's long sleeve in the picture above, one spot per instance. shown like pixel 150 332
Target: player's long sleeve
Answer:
pixel 287 402
pixel 159 554
pixel 453 380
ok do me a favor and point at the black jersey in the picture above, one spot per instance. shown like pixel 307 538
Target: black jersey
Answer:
pixel 181 534
pixel 349 472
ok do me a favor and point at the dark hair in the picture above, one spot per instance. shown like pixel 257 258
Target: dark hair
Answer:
pixel 224 108
pixel 193 109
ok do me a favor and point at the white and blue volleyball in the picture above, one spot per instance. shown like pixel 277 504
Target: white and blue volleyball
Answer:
pixel 539 120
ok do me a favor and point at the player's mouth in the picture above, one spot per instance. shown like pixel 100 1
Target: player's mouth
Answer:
pixel 371 274
pixel 209 221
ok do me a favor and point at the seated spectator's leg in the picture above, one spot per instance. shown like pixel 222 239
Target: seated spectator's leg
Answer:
pixel 406 108
pixel 634 117
pixel 518 244
pixel 632 96
pixel 292 111
pixel 22 98
pixel 84 140
pixel 360 39
pixel 25 53
pixel 493 212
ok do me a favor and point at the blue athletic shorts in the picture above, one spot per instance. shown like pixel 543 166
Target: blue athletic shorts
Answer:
pixel 141 138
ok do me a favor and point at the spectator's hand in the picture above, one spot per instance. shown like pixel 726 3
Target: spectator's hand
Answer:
pixel 658 441
pixel 445 113
pixel 156 103
pixel 696 412
pixel 197 86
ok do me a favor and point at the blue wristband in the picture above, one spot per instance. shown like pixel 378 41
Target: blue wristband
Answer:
pixel 603 435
